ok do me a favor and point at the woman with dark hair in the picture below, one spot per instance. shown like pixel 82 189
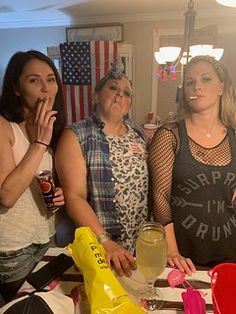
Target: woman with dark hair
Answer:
pixel 101 164
pixel 31 120
pixel 11 107
pixel 193 170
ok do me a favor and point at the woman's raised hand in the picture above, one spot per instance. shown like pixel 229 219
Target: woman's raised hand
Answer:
pixel 44 119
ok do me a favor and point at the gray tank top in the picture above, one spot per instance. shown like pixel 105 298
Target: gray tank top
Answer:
pixel 203 215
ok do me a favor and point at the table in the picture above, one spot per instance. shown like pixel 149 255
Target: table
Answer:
pixel 172 296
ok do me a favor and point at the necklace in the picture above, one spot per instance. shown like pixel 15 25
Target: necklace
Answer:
pixel 208 134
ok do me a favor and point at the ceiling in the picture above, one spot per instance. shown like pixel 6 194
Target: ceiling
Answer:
pixel 35 13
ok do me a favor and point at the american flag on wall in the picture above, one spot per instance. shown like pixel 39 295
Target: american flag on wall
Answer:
pixel 83 65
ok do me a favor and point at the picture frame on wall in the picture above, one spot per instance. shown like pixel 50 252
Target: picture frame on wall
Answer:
pixel 95 32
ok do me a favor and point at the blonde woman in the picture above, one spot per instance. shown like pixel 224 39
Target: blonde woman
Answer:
pixel 193 170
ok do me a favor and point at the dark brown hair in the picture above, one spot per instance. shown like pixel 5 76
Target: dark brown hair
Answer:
pixel 10 106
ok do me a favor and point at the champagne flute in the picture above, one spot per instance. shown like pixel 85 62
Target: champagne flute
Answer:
pixel 151 258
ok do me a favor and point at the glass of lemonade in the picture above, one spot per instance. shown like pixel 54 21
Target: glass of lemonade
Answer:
pixel 151 258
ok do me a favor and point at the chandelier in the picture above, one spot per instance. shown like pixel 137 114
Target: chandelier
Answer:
pixel 228 3
pixel 169 57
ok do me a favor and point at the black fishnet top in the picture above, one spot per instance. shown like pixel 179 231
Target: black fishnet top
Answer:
pixel 162 151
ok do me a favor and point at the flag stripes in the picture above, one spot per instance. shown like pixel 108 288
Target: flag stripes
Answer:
pixel 79 98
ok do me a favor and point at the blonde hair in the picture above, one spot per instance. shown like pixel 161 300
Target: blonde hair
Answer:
pixel 227 113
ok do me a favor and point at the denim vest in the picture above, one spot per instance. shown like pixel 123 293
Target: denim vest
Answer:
pixel 100 180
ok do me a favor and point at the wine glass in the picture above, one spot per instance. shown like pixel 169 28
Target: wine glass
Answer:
pixel 151 258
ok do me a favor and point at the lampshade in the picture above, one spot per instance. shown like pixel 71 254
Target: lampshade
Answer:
pixel 228 3
pixel 159 57
pixel 167 54
pixel 217 53
pixel 170 53
pixel 203 50
pixel 200 50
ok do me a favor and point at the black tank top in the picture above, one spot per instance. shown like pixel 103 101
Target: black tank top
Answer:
pixel 203 215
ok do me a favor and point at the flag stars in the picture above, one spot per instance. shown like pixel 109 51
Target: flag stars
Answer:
pixel 76 57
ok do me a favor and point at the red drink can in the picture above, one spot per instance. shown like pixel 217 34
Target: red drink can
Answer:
pixel 46 183
pixel 151 117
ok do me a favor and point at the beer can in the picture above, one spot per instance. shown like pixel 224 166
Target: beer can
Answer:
pixel 46 183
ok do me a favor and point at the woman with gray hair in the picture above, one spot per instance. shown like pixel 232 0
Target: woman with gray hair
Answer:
pixel 102 167
pixel 193 169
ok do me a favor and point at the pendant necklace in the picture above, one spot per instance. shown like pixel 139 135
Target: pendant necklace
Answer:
pixel 208 134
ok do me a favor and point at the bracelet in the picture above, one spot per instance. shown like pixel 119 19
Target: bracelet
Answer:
pixel 103 237
pixel 42 143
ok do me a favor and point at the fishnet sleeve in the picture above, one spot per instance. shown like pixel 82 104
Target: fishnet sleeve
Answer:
pixel 161 157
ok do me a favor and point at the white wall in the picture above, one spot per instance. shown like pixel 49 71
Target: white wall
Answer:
pixel 140 35
pixel 13 40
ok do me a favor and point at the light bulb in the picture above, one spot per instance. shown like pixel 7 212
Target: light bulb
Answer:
pixel 228 3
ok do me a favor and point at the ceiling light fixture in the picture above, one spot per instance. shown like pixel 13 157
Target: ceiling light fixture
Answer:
pixel 169 57
pixel 228 3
